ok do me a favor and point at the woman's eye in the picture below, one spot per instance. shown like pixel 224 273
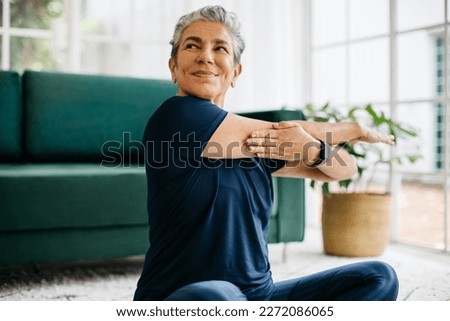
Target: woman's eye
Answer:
pixel 191 46
pixel 221 49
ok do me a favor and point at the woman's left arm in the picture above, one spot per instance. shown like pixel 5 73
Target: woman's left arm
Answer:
pixel 340 166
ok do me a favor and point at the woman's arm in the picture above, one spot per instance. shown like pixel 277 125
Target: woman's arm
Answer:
pixel 340 166
pixel 337 133
pixel 295 141
pixel 230 140
pixel 282 145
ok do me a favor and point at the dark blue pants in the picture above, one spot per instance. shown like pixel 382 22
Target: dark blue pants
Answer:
pixel 364 281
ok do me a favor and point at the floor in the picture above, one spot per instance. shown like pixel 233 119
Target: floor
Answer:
pixel 423 275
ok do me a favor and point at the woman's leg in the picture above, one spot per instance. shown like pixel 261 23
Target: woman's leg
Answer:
pixel 208 291
pixel 364 281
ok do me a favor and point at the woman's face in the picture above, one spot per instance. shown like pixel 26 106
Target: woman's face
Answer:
pixel 204 65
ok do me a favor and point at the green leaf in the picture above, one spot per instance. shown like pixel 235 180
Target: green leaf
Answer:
pixel 321 119
pixel 413 158
pixel 376 120
pixel 325 188
pixel 409 132
pixel 360 170
pixel 345 183
pixel 351 113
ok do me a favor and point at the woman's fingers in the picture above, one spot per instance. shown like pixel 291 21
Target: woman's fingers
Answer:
pixel 285 140
pixel 265 133
pixel 273 133
pixel 261 149
pixel 284 124
pixel 386 139
pixel 390 139
pixel 260 142
pixel 374 136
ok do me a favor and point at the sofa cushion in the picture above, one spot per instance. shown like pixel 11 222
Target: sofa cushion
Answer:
pixel 276 115
pixel 50 196
pixel 71 117
pixel 10 116
pixel 38 246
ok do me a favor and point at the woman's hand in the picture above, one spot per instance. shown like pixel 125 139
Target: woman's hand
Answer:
pixel 370 135
pixel 286 140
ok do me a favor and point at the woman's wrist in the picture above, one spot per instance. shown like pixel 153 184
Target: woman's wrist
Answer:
pixel 357 131
pixel 312 153
pixel 333 133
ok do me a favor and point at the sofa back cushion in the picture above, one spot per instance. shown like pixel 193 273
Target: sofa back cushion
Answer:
pixel 10 116
pixel 73 117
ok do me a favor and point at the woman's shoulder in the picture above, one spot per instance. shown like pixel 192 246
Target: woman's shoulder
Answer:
pixel 188 107
pixel 185 101
pixel 184 114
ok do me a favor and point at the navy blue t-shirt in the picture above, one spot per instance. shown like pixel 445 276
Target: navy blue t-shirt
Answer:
pixel 208 218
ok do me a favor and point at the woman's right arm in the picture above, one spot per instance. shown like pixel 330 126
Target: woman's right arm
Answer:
pixel 230 138
pixel 337 133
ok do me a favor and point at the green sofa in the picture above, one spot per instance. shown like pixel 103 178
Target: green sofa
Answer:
pixel 72 180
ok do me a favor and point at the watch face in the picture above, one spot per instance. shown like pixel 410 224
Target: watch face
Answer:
pixel 324 154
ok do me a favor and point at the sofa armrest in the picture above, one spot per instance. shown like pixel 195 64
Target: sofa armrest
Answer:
pixel 287 223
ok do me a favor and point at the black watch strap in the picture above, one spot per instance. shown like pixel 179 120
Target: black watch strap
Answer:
pixel 324 155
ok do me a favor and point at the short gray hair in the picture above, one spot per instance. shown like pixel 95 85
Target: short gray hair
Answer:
pixel 214 14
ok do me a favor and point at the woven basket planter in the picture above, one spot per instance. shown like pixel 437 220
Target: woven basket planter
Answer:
pixel 356 224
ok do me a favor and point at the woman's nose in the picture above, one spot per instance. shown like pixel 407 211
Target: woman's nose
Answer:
pixel 205 56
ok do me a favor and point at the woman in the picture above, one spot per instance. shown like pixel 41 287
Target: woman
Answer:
pixel 209 184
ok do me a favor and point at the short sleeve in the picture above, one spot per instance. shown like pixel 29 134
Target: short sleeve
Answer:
pixel 273 164
pixel 182 126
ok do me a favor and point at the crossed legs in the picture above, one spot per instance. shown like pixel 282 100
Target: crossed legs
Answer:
pixel 364 281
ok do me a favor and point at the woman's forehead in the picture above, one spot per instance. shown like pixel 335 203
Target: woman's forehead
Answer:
pixel 206 30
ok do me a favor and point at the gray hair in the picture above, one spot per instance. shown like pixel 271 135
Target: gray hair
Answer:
pixel 214 14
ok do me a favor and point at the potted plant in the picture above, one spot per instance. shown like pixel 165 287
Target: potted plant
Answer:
pixel 355 215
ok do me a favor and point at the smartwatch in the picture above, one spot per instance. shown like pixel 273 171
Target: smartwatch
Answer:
pixel 324 155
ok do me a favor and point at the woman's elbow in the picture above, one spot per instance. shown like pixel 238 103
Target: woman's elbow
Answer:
pixel 343 169
pixel 348 171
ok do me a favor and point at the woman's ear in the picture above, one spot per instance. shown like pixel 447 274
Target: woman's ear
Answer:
pixel 237 72
pixel 172 67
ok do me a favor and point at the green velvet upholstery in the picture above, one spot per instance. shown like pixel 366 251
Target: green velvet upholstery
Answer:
pixel 63 197
pixel 69 117
pixel 71 196
pixel 10 116
pixel 59 245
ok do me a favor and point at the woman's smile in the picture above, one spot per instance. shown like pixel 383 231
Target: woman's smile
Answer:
pixel 204 74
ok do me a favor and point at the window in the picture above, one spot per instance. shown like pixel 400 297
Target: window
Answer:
pixel 131 38
pixel 392 53
pixel 27 34
pixel 439 108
